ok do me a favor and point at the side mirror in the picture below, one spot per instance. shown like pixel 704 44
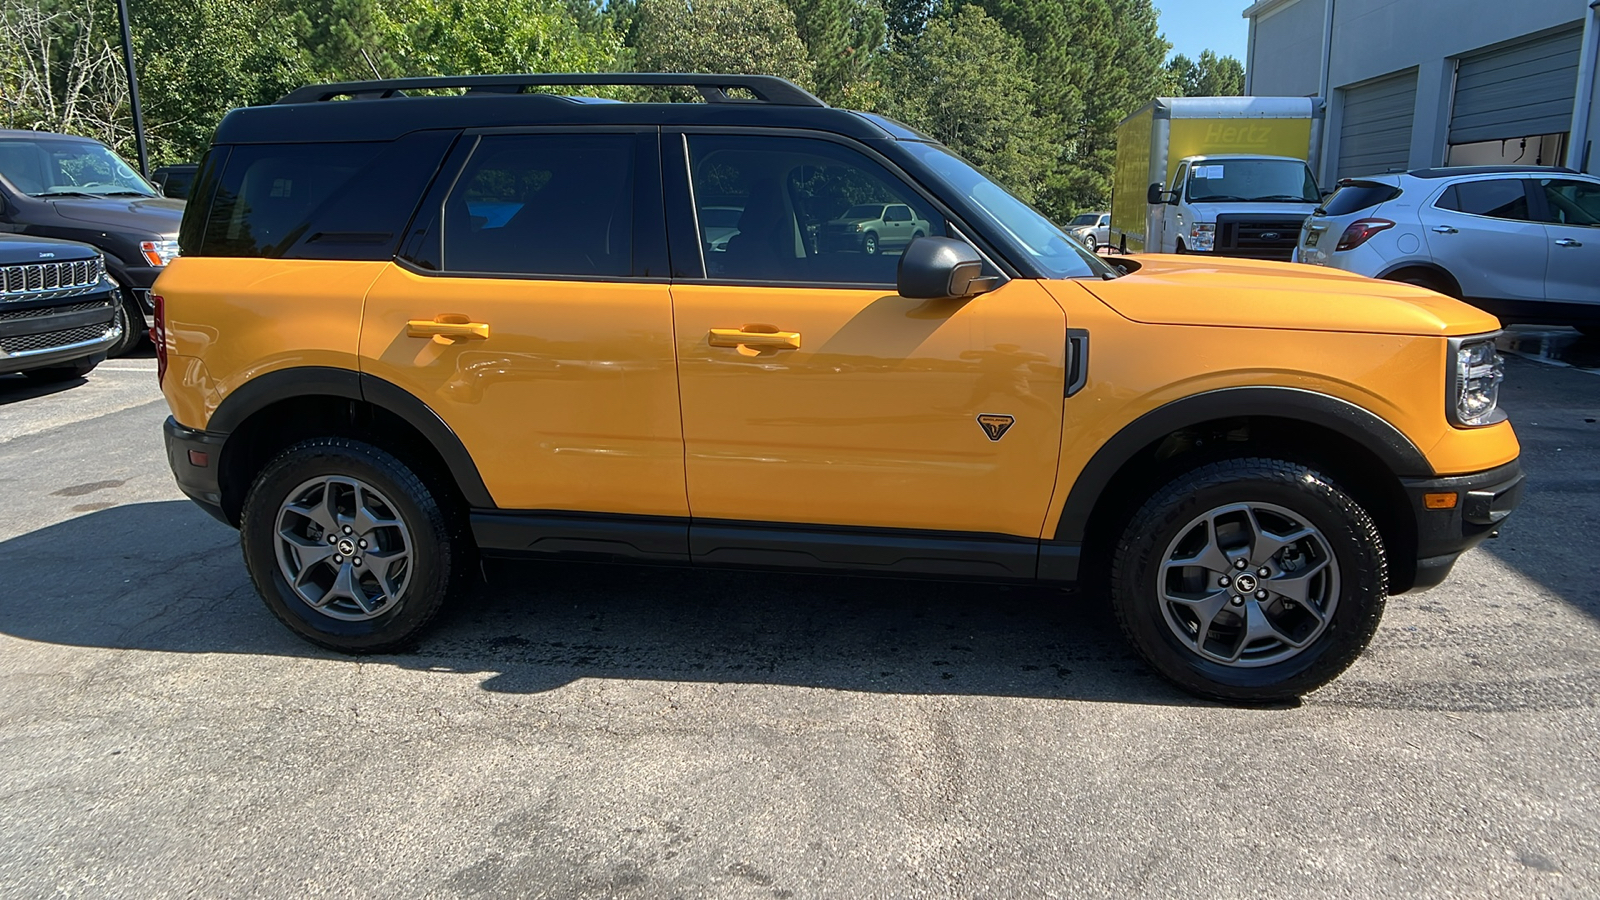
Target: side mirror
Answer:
pixel 937 268
pixel 1155 195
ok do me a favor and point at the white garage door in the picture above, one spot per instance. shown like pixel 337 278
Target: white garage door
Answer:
pixel 1375 134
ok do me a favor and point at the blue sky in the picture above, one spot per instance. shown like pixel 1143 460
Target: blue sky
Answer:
pixel 1195 25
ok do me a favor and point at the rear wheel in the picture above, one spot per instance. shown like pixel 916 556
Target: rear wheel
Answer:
pixel 348 546
pixel 1250 580
pixel 1425 280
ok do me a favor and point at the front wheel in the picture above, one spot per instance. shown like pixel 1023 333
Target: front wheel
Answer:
pixel 1092 244
pixel 869 244
pixel 130 317
pixel 1250 580
pixel 348 546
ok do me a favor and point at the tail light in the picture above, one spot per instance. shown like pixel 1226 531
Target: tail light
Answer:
pixel 158 336
pixel 1360 231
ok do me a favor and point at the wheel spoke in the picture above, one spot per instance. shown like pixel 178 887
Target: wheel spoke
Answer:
pixel 1211 557
pixel 365 520
pixel 307 552
pixel 1205 611
pixel 1264 545
pixel 1297 587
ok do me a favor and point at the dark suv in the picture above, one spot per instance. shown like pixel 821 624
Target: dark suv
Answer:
pixel 77 189
pixel 57 314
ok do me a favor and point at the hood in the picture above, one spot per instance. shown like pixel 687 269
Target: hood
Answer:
pixel 153 215
pixel 1241 293
pixel 16 250
pixel 1208 212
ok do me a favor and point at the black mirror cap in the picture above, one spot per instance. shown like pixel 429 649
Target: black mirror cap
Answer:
pixel 1153 194
pixel 940 268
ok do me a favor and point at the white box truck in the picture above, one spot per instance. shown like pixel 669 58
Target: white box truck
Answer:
pixel 1230 176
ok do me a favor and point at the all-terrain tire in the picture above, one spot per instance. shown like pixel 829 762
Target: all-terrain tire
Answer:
pixel 1355 591
pixel 437 549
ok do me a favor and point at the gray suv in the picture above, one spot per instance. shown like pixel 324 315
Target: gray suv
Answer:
pixel 1520 242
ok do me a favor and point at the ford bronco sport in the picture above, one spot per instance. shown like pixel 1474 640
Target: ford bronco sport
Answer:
pixel 408 329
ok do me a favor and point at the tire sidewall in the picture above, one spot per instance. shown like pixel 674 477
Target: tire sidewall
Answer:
pixel 1350 535
pixel 431 556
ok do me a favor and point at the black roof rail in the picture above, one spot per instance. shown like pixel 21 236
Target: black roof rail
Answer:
pixel 714 88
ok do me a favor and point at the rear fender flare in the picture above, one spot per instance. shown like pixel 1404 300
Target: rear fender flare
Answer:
pixel 326 381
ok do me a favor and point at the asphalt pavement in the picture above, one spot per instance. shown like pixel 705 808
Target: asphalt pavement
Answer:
pixel 577 731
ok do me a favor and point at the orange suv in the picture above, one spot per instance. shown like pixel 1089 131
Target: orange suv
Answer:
pixel 409 330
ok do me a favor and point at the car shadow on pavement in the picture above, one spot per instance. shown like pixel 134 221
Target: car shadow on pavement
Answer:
pixel 16 388
pixel 164 577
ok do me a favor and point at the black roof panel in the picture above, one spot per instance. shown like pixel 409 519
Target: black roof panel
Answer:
pixel 1457 171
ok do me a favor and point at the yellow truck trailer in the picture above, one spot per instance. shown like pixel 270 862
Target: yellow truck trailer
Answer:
pixel 1230 176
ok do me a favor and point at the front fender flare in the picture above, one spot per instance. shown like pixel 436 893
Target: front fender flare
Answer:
pixel 1385 441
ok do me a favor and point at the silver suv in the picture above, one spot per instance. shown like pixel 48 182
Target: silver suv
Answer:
pixel 1520 242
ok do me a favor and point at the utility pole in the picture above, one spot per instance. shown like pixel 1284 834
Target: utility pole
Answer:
pixel 133 87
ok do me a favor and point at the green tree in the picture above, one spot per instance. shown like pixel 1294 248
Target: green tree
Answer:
pixel 746 37
pixel 1094 62
pixel 965 81
pixel 843 39
pixel 473 37
pixel 1211 76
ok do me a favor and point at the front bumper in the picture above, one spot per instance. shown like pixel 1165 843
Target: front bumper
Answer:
pixel 37 334
pixel 1483 501
pixel 194 457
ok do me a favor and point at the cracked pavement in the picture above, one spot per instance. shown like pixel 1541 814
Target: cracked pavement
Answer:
pixel 577 731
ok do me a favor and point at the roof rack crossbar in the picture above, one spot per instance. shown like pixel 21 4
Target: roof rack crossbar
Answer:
pixel 714 88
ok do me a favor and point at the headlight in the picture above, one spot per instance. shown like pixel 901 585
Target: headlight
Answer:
pixel 1202 238
pixel 1473 389
pixel 159 253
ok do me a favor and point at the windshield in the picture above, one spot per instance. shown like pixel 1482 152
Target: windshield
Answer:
pixel 1056 255
pixel 42 167
pixel 863 211
pixel 1252 180
pixel 1084 219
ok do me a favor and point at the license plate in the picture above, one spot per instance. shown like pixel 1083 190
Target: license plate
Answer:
pixel 1311 239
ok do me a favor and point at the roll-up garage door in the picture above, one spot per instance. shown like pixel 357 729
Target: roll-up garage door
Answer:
pixel 1376 132
pixel 1524 89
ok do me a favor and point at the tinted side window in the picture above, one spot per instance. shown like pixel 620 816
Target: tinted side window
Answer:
pixel 1354 196
pixel 809 211
pixel 1571 202
pixel 267 194
pixel 1501 199
pixel 191 233
pixel 543 204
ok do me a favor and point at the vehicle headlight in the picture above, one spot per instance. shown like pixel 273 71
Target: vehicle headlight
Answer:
pixel 1473 389
pixel 159 253
pixel 1202 238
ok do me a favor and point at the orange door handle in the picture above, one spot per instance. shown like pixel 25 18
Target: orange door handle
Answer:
pixel 756 340
pixel 448 327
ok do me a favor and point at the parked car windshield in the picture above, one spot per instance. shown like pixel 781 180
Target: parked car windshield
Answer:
pixel 1252 181
pixel 1084 219
pixel 863 211
pixel 41 167
pixel 1056 255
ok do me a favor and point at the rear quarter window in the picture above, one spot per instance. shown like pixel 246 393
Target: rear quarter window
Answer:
pixel 319 201
pixel 1356 196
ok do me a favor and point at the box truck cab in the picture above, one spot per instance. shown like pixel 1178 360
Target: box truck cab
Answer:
pixel 1231 176
pixel 1251 206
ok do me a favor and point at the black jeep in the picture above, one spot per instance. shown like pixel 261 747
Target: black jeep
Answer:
pixel 58 314
pixel 77 189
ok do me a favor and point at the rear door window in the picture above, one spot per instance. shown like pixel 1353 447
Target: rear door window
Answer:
pixel 1355 196
pixel 1504 198
pixel 548 205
